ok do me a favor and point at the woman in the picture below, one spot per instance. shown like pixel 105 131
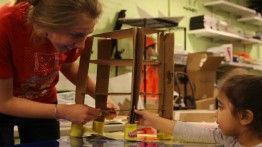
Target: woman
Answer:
pixel 39 38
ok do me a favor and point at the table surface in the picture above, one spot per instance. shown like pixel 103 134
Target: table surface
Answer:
pixel 110 139
pixel 100 141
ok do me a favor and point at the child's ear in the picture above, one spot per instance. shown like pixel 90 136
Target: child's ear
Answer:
pixel 246 117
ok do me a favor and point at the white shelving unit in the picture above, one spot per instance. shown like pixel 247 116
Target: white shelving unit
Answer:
pixel 219 35
pixel 247 15
pixel 256 20
pixel 231 8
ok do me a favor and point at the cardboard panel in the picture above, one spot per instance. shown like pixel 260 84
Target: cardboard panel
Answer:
pixel 167 75
pixel 161 58
pixel 104 52
pixel 82 72
pixel 193 61
pixel 137 70
pixel 212 63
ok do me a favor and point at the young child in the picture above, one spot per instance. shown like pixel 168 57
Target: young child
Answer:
pixel 239 116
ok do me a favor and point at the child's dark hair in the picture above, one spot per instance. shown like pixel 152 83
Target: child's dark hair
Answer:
pixel 244 92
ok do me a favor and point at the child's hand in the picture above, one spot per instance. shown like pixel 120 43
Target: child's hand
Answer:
pixel 144 117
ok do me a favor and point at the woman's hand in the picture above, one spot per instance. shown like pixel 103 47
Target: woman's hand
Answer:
pixel 77 113
pixel 112 110
pixel 110 104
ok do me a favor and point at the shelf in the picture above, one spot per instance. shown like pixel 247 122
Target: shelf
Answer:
pixel 219 35
pixel 256 20
pixel 231 8
pixel 251 41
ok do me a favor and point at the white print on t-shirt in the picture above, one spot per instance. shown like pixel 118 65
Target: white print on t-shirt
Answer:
pixel 45 62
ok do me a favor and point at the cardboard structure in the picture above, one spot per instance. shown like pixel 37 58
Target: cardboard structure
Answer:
pixel 104 62
pixel 201 69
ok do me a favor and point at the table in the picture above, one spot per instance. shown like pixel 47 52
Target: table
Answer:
pixel 105 142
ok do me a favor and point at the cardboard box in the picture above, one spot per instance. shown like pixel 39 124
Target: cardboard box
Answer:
pixel 195 115
pixel 201 69
pixel 206 104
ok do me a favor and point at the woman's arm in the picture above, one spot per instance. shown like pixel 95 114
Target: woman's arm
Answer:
pixel 22 107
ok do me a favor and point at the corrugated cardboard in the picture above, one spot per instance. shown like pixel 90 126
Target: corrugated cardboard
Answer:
pixel 195 115
pixel 203 74
pixel 206 104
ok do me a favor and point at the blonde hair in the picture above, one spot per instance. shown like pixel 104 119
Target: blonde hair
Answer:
pixel 18 1
pixel 59 14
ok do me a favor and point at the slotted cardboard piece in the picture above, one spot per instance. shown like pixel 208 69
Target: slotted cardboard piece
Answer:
pixel 82 72
pixel 102 79
pixel 166 75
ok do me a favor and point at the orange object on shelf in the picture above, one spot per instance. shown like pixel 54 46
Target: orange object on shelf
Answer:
pixel 243 54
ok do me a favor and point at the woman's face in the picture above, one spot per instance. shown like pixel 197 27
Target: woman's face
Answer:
pixel 73 37
pixel 228 123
